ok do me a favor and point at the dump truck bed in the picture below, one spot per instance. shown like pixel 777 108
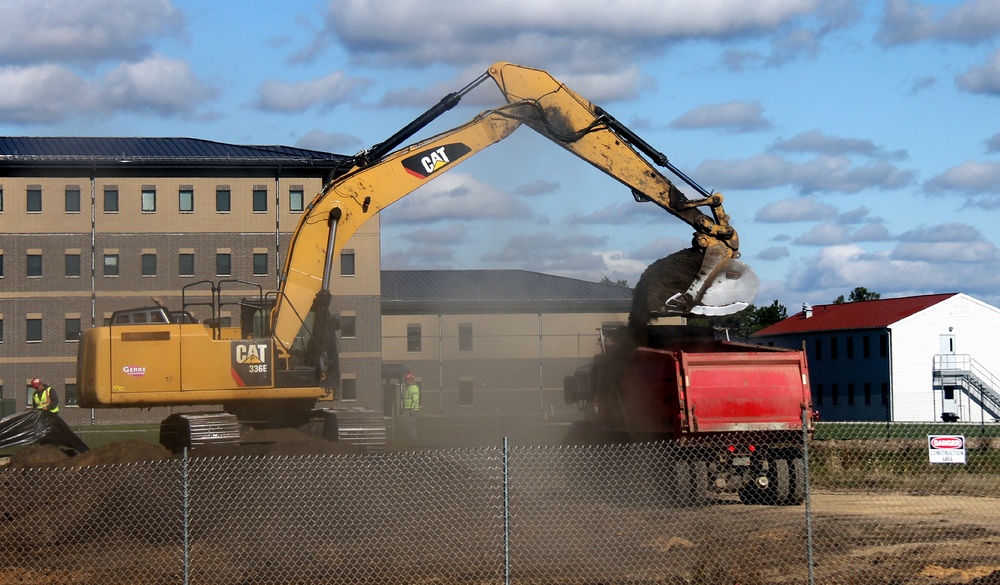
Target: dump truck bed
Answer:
pixel 701 388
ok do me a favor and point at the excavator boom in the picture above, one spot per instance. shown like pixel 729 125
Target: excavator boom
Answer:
pixel 706 279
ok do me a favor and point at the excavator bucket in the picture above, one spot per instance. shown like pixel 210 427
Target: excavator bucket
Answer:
pixel 693 282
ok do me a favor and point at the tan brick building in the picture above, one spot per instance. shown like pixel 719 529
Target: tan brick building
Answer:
pixel 482 342
pixel 92 225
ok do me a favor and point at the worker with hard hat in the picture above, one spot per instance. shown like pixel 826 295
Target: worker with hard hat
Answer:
pixel 411 405
pixel 43 396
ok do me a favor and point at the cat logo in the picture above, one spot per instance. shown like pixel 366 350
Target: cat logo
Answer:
pixel 425 163
pixel 251 354
pixel 251 363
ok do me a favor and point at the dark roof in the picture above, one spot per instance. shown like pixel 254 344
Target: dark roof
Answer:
pixel 491 291
pixel 859 315
pixel 180 151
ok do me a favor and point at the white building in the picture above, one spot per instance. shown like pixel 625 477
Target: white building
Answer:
pixel 907 359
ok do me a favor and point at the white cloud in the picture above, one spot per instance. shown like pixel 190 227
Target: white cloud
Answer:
pixel 41 31
pixel 455 196
pixel 822 174
pixel 970 21
pixel 732 116
pixel 984 78
pixel 819 142
pixel 973 178
pixel 162 85
pixel 795 209
pixel 324 93
pixel 27 95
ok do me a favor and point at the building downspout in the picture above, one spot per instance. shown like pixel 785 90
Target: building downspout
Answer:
pixel 541 386
pixel 891 405
pixel 277 230
pixel 440 364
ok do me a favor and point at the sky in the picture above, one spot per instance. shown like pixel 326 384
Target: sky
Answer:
pixel 857 144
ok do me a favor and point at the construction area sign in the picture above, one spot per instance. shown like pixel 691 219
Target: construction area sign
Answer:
pixel 946 448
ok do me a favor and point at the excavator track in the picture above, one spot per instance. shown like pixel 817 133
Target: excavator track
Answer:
pixel 355 426
pixel 196 429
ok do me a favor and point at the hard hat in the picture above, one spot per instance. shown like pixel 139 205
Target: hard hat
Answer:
pixel 35 383
pixel 410 377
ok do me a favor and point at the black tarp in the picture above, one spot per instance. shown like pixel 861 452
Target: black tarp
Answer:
pixel 38 427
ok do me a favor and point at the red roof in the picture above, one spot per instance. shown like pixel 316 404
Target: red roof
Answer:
pixel 859 315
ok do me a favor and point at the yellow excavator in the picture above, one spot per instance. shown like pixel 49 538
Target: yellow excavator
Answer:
pixel 284 359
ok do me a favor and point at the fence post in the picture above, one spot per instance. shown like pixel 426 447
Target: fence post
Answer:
pixel 805 466
pixel 184 512
pixel 506 518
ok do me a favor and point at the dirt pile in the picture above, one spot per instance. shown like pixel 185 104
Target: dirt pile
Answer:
pixel 48 456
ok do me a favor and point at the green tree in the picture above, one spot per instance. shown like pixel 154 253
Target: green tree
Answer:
pixel 745 323
pixel 622 283
pixel 859 293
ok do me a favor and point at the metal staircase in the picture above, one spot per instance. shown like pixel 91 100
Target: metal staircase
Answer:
pixel 963 373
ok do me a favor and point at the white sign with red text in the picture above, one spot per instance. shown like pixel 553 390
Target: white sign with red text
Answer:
pixel 946 448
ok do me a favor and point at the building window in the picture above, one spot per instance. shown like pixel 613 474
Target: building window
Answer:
pixel 34 199
pixel 72 265
pixel 850 347
pixel 819 395
pixel 260 264
pixel 850 393
pixel 148 199
pixel 465 393
pixel 868 393
pixel 111 200
pixel 348 389
pixel 34 329
pixel 465 337
pixel 149 264
pixel 348 327
pixel 185 200
pixel 866 347
pixel 296 200
pixel 72 199
pixel 347 263
pixel 223 264
pixel 72 329
pixel 34 265
pixel 111 265
pixel 185 264
pixel 413 338
pixel 833 348
pixel 883 345
pixel 835 393
pixel 70 394
pixel 885 394
pixel 1 264
pixel 1 199
pixel 818 349
pixel 223 200
pixel 259 199
pixel 1 329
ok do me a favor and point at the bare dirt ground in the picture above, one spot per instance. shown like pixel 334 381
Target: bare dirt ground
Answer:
pixel 859 537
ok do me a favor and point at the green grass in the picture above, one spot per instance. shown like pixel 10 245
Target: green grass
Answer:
pixel 873 430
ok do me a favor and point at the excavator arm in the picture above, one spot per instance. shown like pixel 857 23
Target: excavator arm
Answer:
pixel 706 279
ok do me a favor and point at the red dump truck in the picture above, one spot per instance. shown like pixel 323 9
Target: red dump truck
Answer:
pixel 733 412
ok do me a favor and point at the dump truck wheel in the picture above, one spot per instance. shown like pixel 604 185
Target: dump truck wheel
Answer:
pixel 782 481
pixel 699 482
pixel 798 482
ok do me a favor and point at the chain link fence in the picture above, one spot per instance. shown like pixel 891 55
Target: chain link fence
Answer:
pixel 850 506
